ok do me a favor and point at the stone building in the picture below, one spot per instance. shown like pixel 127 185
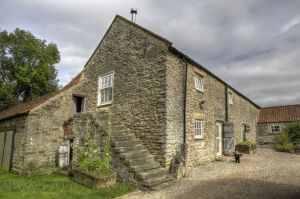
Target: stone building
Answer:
pixel 273 119
pixel 172 106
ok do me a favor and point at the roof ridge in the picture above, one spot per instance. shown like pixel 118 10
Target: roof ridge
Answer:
pixel 280 106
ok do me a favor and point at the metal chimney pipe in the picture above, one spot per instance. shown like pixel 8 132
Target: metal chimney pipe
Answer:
pixel 133 14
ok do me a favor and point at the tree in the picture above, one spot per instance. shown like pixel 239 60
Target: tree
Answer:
pixel 27 68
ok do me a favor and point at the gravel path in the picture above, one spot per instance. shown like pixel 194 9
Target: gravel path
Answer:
pixel 266 174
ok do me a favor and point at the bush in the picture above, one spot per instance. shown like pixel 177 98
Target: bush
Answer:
pixel 293 131
pixel 91 158
pixel 283 142
pixel 282 138
pixel 286 147
pixel 247 146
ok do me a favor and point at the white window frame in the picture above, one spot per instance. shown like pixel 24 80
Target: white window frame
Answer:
pixel 198 82
pixel 274 126
pixel 230 98
pixel 100 85
pixel 198 128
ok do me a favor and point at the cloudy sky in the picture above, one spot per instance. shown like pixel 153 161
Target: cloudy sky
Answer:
pixel 252 45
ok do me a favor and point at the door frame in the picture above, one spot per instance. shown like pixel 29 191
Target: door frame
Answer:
pixel 219 125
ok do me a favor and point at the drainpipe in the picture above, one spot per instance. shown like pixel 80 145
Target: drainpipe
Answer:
pixel 226 103
pixel 184 101
pixel 184 146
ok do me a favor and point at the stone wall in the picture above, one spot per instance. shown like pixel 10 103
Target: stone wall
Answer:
pixel 46 129
pixel 242 112
pixel 264 133
pixel 174 106
pixel 139 93
pixel 213 110
pixel 210 112
pixel 19 126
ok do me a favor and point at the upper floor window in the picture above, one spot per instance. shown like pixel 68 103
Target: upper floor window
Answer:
pixel 198 129
pixel 230 98
pixel 199 83
pixel 275 129
pixel 105 91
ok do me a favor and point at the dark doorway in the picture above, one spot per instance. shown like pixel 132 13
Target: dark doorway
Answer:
pixel 79 104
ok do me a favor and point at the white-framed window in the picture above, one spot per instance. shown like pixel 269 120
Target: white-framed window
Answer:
pixel 199 82
pixel 230 98
pixel 198 129
pixel 275 129
pixel 105 89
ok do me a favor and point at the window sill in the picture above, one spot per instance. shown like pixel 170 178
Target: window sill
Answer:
pixel 104 105
pixel 200 91
pixel 199 138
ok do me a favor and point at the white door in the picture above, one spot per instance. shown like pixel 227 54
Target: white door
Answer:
pixel 219 133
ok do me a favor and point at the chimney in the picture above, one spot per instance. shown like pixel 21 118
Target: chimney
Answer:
pixel 133 14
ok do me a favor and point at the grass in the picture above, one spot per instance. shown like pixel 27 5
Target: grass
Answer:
pixel 52 186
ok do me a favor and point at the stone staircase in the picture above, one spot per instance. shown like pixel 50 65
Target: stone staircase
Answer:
pixel 144 170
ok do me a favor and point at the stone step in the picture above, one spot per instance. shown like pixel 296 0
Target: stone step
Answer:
pixel 162 185
pixel 123 137
pixel 157 180
pixel 151 173
pixel 120 132
pixel 137 161
pixel 148 173
pixel 125 143
pixel 128 149
pixel 118 128
pixel 144 167
pixel 141 153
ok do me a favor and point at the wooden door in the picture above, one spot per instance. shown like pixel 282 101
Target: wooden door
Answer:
pixel 219 138
pixel 6 143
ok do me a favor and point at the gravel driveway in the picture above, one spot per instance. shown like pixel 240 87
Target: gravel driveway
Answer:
pixel 266 174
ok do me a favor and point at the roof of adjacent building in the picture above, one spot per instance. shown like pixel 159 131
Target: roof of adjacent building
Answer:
pixel 24 108
pixel 289 113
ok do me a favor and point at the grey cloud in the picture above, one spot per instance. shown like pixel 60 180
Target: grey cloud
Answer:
pixel 252 45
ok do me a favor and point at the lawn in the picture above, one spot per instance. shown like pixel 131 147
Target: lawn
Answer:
pixel 52 186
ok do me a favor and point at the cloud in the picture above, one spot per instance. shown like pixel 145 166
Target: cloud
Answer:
pixel 252 45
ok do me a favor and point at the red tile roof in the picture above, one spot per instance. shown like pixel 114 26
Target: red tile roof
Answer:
pixel 289 113
pixel 24 108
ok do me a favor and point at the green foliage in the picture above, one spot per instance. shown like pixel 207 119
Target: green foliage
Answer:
pixel 246 146
pixel 293 131
pixel 51 186
pixel 248 143
pixel 285 147
pixel 27 68
pixel 282 138
pixel 89 158
pixel 283 142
